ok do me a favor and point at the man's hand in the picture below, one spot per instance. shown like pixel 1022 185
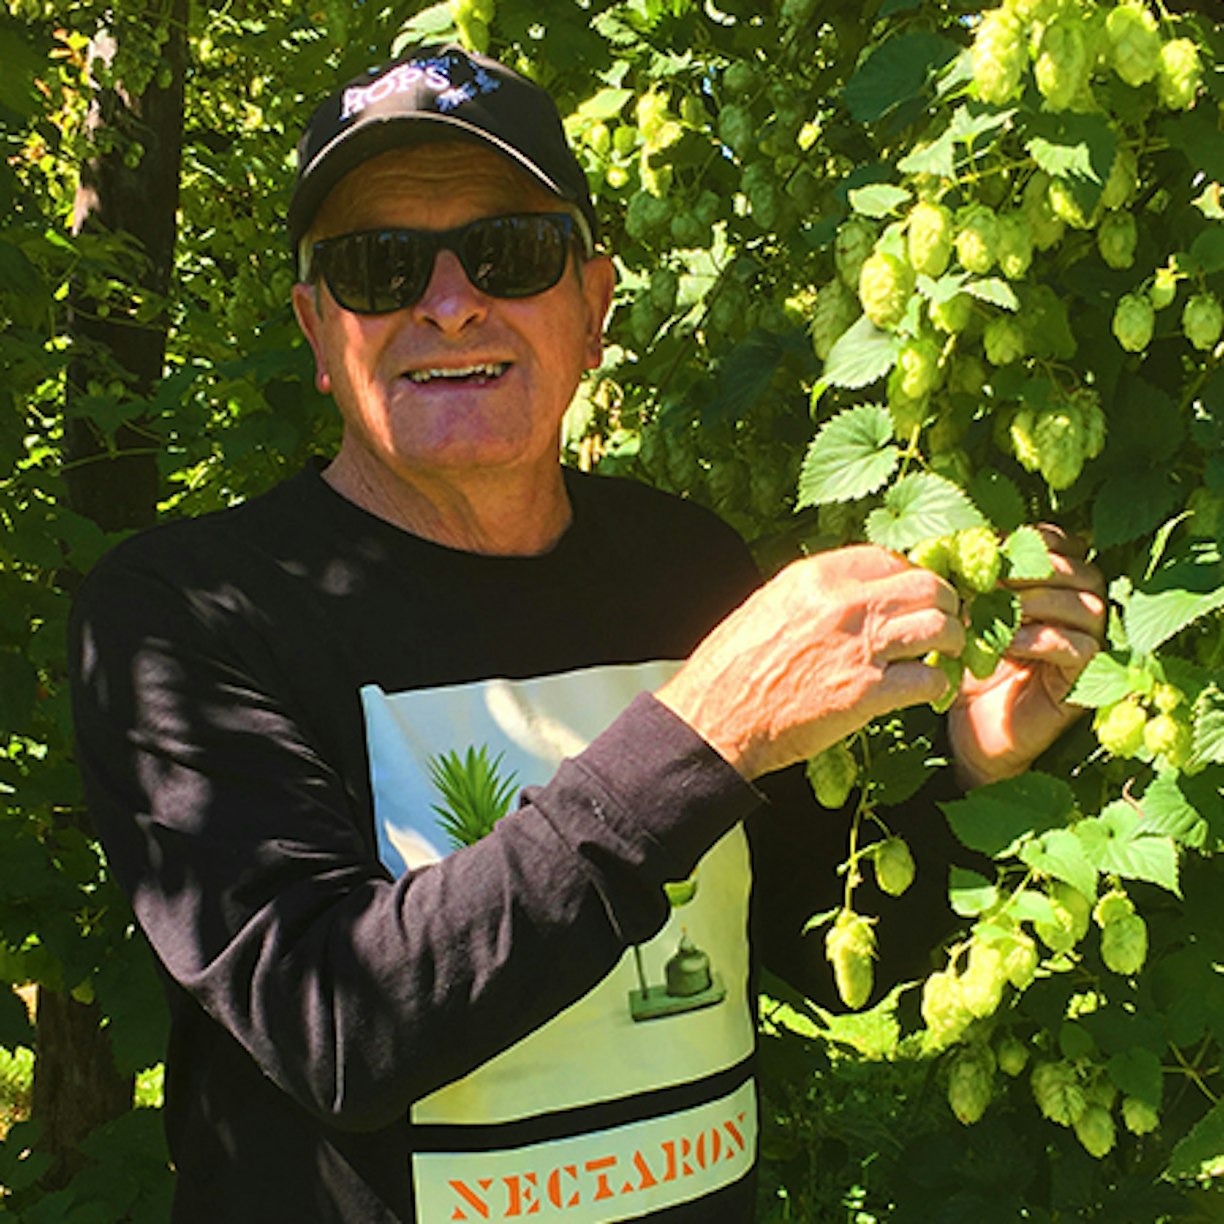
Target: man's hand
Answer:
pixel 999 725
pixel 830 643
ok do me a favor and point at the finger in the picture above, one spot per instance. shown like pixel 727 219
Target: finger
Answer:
pixel 911 589
pixel 1067 572
pixel 857 563
pixel 1063 648
pixel 907 683
pixel 1061 542
pixel 1076 609
pixel 913 634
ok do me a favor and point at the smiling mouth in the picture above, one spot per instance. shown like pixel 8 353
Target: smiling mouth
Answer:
pixel 473 373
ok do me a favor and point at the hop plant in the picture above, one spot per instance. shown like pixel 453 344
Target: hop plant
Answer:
pixel 1122 181
pixel 1169 736
pixel 736 128
pixel 918 368
pixel 885 285
pixel 850 948
pixel 928 238
pixel 1058 1092
pixel 976 559
pixel 971 1082
pixel 1163 288
pixel 1124 944
pixel 977 239
pixel 998 56
pixel 1134 322
pixel 1134 43
pixel 894 866
pixel 1117 237
pixel 1059 439
pixel 1015 245
pixel 1045 226
pixel 943 1011
pixel 981 985
pixel 1011 1056
pixel 1094 1128
pixel 1067 206
pixel 1020 961
pixel 1062 65
pixel 1203 321
pixel 951 314
pixel 1180 73
pixel 1069 924
pixel 1140 1117
pixel 832 775
pixel 1004 341
pixel 1119 727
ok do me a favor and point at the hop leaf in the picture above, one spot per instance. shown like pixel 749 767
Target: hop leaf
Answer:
pixel 855 238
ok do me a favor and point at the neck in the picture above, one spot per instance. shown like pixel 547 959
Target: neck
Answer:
pixel 494 513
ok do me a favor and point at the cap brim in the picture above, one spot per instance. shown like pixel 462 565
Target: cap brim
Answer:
pixel 348 150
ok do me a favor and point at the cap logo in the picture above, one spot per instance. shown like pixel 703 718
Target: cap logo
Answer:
pixel 432 74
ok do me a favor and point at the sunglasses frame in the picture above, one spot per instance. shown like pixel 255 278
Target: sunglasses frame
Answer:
pixel 573 228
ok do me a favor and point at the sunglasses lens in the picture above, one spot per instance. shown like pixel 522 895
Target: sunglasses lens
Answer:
pixel 512 257
pixel 379 271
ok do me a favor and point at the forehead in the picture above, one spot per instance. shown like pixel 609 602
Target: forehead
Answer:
pixel 430 186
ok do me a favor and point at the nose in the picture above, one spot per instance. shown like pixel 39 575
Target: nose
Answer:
pixel 450 301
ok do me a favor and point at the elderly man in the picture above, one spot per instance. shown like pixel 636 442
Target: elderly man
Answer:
pixel 288 710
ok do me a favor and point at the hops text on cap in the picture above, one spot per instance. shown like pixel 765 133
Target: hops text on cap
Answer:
pixel 423 94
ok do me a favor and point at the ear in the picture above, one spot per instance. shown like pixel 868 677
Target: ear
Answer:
pixel 306 308
pixel 598 282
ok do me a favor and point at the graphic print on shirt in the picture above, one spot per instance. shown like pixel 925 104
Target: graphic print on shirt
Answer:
pixel 693 974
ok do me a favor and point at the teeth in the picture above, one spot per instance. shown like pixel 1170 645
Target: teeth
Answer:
pixel 472 371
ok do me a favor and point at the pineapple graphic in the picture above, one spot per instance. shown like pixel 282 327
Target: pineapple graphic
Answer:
pixel 475 796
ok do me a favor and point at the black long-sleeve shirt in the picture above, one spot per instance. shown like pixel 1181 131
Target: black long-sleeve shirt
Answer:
pixel 367 1026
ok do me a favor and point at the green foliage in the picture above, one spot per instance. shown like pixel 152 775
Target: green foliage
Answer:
pixel 1012 190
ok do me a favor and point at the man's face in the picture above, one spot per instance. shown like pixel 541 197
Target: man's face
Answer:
pixel 388 373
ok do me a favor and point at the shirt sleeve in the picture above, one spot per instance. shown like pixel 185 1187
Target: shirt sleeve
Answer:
pixel 250 867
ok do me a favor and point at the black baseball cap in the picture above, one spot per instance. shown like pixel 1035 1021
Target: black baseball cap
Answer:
pixel 432 92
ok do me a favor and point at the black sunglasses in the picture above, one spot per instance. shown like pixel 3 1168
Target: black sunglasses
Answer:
pixel 513 256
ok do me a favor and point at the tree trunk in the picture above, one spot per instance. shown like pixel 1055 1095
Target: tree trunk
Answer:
pixel 113 480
